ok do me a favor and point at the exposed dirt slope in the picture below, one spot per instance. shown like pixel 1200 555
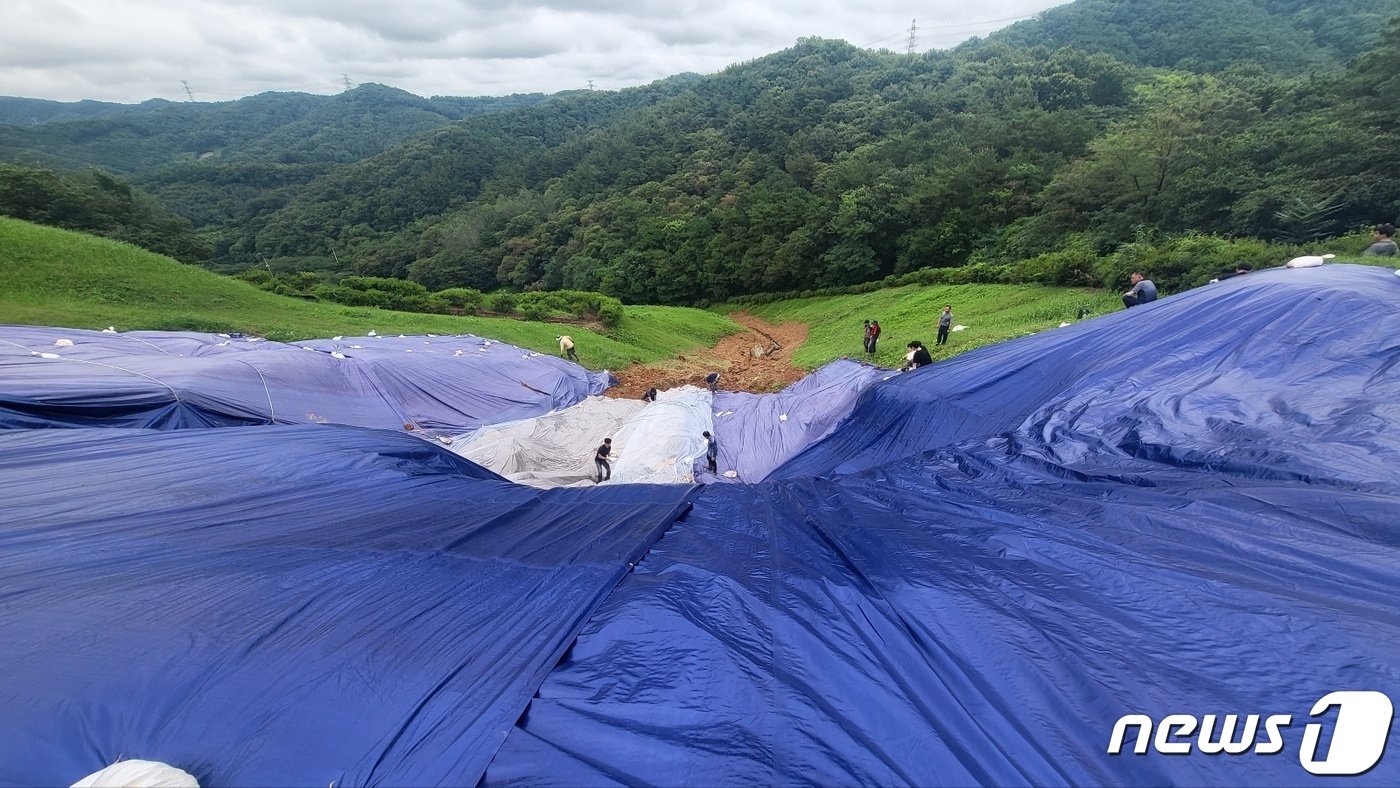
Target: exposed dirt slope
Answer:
pixel 758 359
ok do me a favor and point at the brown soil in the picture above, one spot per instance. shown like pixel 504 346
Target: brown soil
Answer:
pixel 733 357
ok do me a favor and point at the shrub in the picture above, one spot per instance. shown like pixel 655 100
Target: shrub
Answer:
pixel 500 303
pixel 386 284
pixel 467 299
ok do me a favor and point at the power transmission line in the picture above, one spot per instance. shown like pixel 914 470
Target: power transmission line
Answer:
pixel 913 35
pixel 189 94
pixel 346 79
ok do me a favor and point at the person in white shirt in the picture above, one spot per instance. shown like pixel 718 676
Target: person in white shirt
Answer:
pixel 566 348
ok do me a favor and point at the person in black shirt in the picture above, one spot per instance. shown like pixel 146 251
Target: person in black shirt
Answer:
pixel 918 356
pixel 649 395
pixel 712 380
pixel 600 459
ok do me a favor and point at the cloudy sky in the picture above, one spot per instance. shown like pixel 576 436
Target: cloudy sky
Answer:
pixel 132 50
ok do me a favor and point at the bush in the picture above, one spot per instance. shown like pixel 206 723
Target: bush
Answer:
pixel 500 303
pixel 385 284
pixel 466 299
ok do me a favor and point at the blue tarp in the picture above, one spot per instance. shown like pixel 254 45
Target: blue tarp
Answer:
pixel 307 605
pixel 758 432
pixel 1190 507
pixel 168 380
pixel 1235 362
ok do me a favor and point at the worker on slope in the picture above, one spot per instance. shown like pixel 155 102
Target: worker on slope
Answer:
pixel 712 381
pixel 601 460
pixel 711 453
pixel 566 348
pixel 917 356
pixel 945 324
pixel 1142 291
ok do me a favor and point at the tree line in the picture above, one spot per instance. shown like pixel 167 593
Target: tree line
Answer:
pixel 828 166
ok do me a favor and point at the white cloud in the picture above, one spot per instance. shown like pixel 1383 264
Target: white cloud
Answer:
pixel 132 50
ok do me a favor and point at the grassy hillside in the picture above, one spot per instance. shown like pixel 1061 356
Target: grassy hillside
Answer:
pixel 61 278
pixel 992 313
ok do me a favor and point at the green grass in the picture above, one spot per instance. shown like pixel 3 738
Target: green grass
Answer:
pixel 992 313
pixel 56 277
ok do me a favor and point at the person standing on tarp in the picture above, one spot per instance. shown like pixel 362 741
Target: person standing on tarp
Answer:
pixel 1142 291
pixel 945 323
pixel 712 380
pixel 711 453
pixel 600 460
pixel 649 395
pixel 566 348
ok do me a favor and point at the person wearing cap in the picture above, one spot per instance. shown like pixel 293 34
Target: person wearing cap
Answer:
pixel 566 348
pixel 1384 242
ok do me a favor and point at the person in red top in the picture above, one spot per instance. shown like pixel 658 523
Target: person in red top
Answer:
pixel 874 336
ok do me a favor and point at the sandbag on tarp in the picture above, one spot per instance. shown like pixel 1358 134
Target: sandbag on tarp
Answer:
pixel 306 605
pixel 978 617
pixel 1204 355
pixel 554 450
pixel 660 444
pixel 758 432
pixel 173 380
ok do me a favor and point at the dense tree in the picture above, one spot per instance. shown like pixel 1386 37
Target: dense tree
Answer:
pixel 99 203
pixel 1095 125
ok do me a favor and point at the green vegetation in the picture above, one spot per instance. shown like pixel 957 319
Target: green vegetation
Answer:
pixel 274 128
pixel 1099 129
pixel 61 278
pixel 1174 263
pixel 1290 36
pixel 98 203
pixel 992 313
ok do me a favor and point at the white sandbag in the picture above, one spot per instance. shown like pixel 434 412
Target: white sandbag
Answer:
pixel 138 774
pixel 1308 261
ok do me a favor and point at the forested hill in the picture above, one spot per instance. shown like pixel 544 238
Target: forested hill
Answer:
pixel 288 128
pixel 821 165
pixel 16 111
pixel 826 164
pixel 1285 36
